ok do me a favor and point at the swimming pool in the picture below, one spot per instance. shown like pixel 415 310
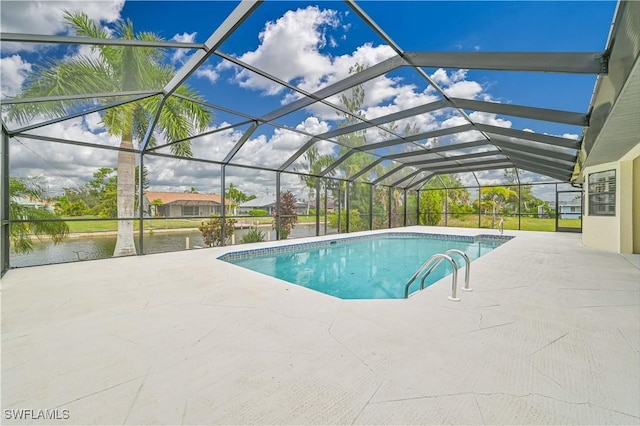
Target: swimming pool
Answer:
pixel 365 267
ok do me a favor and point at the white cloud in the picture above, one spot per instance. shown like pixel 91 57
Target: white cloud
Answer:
pixel 570 136
pixel 267 150
pixel 298 57
pixel 489 118
pixel 366 55
pixel 443 78
pixel 464 89
pixel 273 151
pixel 181 55
pixel 94 122
pixel 45 17
pixel 440 77
pixel 216 145
pixel 63 165
pixel 208 72
pixel 13 70
pixel 291 48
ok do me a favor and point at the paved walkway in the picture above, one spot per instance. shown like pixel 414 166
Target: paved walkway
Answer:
pixel 550 335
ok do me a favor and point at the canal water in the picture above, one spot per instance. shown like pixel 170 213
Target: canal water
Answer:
pixel 100 246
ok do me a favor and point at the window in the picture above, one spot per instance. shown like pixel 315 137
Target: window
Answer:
pixel 189 210
pixel 602 193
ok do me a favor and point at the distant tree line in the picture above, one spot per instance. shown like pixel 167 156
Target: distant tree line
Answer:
pixel 98 197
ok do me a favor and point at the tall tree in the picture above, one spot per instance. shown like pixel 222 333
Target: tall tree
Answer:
pixel 237 196
pixel 494 198
pixel 353 102
pixel 23 193
pixel 432 197
pixel 315 164
pixel 111 69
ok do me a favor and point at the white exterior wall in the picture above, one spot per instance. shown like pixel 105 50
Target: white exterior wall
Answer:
pixel 175 210
pixel 615 233
pixel 636 205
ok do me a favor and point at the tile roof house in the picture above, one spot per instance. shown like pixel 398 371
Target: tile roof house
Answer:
pixel 183 204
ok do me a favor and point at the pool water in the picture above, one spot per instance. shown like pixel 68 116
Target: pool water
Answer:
pixel 375 268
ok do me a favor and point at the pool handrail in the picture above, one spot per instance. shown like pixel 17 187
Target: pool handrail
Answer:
pixel 467 266
pixel 432 264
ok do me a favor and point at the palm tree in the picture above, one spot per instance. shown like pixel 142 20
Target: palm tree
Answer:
pixel 37 219
pixel 111 69
pixel 315 163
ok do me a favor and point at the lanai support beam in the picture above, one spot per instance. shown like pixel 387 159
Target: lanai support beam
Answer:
pixel 58 39
pixel 510 145
pixel 228 26
pixel 454 158
pixel 340 86
pixel 412 138
pixel 436 149
pixel 530 136
pixel 245 136
pixel 553 115
pixel 336 163
pixel 389 173
pixel 4 202
pixel 366 169
pixel 558 62
pixel 386 119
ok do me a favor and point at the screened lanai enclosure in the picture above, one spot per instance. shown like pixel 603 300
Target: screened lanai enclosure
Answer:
pixel 120 138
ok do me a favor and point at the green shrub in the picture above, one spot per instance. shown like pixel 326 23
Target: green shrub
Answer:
pixel 355 221
pixel 258 212
pixel 312 212
pixel 459 211
pixel 253 236
pixel 212 231
pixel 430 207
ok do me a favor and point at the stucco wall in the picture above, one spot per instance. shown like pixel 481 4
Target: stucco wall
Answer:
pixel 601 232
pixel 175 210
pixel 636 205
pixel 626 206
pixel 619 233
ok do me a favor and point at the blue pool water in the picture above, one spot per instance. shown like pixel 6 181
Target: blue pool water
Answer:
pixel 377 267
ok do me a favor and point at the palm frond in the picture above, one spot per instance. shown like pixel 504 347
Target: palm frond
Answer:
pixel 182 119
pixel 37 221
pixel 140 124
pixel 80 75
pixel 175 125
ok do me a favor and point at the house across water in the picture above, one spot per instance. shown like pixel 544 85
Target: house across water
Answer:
pixel 183 204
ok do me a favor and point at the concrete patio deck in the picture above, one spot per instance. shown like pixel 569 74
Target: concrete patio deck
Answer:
pixel 550 335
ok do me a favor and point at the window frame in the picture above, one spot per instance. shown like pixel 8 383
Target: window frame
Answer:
pixel 185 208
pixel 602 199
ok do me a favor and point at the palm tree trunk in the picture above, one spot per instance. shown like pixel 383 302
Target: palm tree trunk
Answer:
pixel 125 245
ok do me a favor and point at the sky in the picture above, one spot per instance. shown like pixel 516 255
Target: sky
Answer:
pixel 310 45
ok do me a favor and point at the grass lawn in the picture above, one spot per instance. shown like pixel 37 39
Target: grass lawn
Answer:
pixel 112 225
pixel 526 223
pixel 468 221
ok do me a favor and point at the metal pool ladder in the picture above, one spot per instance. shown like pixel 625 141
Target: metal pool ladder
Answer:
pixel 433 262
